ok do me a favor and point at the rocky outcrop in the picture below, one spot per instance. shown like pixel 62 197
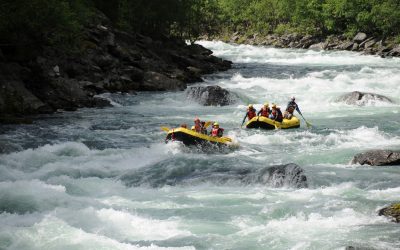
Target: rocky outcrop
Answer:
pixel 392 211
pixel 361 42
pixel 289 175
pixel 108 60
pixel 377 158
pixel 211 95
pixel 362 99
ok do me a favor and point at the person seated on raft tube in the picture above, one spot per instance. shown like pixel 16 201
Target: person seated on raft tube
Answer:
pixel 288 114
pixel 216 131
pixel 199 126
pixel 251 112
pixel 276 114
pixel 264 111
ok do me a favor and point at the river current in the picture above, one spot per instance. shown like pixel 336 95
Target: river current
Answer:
pixel 101 178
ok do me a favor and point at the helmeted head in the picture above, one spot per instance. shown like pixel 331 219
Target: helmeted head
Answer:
pixel 274 106
pixel 250 106
pixel 193 128
pixel 293 98
pixel 266 104
pixel 216 124
pixel 196 120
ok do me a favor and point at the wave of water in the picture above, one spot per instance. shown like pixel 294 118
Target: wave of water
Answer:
pixel 105 179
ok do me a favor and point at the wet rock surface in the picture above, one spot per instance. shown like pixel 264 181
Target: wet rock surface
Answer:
pixel 377 158
pixel 289 175
pixel 362 98
pixel 109 60
pixel 211 95
pixel 392 211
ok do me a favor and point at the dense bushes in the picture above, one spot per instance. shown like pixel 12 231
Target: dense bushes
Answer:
pixel 318 17
pixel 60 22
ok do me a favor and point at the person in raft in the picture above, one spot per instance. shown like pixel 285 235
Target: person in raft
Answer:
pixel 199 126
pixel 251 112
pixel 264 111
pixel 216 131
pixel 276 114
pixel 291 107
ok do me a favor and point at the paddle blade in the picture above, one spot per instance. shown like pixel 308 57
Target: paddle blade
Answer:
pixel 207 124
pixel 308 125
pixel 165 129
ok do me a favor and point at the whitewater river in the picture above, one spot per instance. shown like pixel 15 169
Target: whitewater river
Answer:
pixel 105 179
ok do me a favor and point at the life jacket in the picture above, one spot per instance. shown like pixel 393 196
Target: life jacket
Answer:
pixel 264 112
pixel 215 132
pixel 278 116
pixel 197 127
pixel 251 113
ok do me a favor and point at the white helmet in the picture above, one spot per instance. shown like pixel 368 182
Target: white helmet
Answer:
pixel 293 98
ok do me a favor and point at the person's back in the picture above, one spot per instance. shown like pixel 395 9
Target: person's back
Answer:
pixel 292 103
pixel 197 125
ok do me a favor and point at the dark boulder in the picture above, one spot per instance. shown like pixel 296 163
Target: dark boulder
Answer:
pixel 361 98
pixel 211 95
pixel 154 81
pixel 377 158
pixel 168 173
pixel 392 211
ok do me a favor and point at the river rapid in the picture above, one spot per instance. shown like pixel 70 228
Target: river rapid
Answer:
pixel 105 179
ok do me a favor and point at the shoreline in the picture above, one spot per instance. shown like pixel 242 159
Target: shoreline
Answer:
pixel 361 42
pixel 48 79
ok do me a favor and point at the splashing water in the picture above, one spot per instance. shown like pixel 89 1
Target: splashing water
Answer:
pixel 104 178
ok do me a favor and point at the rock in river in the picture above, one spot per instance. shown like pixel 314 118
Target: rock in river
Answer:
pixel 362 99
pixel 211 95
pixel 392 211
pixel 377 158
pixel 183 173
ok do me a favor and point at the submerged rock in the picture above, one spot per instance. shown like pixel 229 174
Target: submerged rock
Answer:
pixel 211 95
pixel 392 211
pixel 377 158
pixel 361 98
pixel 289 175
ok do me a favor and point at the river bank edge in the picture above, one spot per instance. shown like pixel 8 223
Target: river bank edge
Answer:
pixel 47 79
pixel 361 42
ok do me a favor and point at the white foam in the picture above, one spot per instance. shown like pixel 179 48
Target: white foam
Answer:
pixel 132 226
pixel 52 232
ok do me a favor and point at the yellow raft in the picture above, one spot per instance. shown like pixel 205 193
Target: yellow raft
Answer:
pixel 189 137
pixel 266 123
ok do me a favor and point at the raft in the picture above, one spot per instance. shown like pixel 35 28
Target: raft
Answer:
pixel 266 123
pixel 189 137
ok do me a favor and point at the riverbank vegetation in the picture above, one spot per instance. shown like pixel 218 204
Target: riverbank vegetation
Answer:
pixel 60 22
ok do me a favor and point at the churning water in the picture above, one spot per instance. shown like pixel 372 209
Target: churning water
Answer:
pixel 105 179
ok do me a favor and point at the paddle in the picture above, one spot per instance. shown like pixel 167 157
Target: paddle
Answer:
pixel 307 123
pixel 207 124
pixel 165 129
